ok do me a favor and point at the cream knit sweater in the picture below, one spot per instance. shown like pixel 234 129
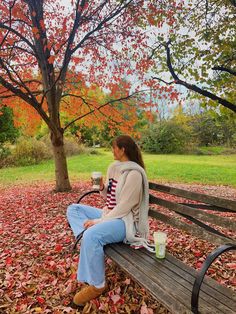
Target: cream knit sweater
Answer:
pixel 132 199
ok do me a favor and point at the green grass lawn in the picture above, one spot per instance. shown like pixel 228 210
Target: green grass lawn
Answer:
pixel 214 170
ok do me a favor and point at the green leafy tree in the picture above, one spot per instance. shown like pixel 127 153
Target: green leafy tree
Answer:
pixel 212 128
pixel 8 132
pixel 166 137
pixel 204 129
pixel 197 50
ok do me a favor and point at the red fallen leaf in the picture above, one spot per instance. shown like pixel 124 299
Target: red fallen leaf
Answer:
pixel 96 303
pixel 42 236
pixel 40 300
pixel 58 248
pixel 233 281
pixel 9 261
pixel 145 310
pixel 69 288
pixel 127 281
pixel 211 271
pixel 198 265
pixel 109 261
pixel 102 306
pixel 115 298
pixel 231 265
pixel 222 281
pixel 73 276
pixel 198 253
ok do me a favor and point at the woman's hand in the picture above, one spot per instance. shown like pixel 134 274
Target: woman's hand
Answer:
pixel 89 223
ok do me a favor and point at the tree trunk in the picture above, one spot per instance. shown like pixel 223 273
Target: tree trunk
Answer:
pixel 61 171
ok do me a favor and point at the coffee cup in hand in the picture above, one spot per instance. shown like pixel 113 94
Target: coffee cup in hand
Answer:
pixel 96 180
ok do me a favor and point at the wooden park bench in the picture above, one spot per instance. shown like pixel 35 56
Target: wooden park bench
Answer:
pixel 180 288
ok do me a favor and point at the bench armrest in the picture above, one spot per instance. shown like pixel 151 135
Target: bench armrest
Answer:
pixel 200 275
pixel 85 194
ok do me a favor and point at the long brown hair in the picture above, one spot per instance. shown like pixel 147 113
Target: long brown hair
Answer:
pixel 131 149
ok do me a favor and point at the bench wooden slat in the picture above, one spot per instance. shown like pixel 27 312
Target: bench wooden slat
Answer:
pixel 170 281
pixel 155 289
pixel 199 214
pixel 207 207
pixel 217 201
pixel 209 288
pixel 229 293
pixel 179 283
pixel 193 229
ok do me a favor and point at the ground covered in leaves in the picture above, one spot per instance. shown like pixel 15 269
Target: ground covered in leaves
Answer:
pixel 38 271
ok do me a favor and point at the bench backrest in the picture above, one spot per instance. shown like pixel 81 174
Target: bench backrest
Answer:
pixel 195 208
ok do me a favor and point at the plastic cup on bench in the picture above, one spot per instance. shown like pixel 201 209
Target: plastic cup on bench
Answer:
pixel 160 243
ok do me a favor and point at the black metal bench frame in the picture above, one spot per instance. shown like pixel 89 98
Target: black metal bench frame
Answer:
pixel 121 249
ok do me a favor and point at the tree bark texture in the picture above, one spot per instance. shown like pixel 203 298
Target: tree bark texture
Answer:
pixel 61 170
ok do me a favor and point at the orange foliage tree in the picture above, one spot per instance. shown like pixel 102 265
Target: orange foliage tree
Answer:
pixel 42 42
pixel 94 107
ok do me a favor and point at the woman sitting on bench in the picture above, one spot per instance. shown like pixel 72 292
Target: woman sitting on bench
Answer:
pixel 124 218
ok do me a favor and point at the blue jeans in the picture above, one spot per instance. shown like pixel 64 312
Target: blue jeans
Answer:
pixel 91 268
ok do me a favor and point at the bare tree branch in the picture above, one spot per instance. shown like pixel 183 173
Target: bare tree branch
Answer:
pixel 101 24
pixel 100 107
pixel 69 51
pixel 163 81
pixel 10 21
pixel 195 88
pixel 154 51
pixel 20 82
pixel 223 69
pixel 28 100
pixel 18 35
pixel 35 93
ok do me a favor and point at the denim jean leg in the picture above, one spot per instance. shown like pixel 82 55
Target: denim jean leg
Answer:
pixel 91 267
pixel 77 214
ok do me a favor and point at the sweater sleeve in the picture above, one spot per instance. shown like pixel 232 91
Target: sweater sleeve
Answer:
pixel 129 196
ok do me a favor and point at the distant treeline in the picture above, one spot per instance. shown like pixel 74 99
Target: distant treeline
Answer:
pixel 181 133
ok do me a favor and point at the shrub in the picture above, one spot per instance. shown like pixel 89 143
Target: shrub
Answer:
pixel 166 137
pixel 29 151
pixel 72 147
pixel 4 154
pixel 93 151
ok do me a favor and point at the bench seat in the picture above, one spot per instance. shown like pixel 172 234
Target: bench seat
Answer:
pixel 170 281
